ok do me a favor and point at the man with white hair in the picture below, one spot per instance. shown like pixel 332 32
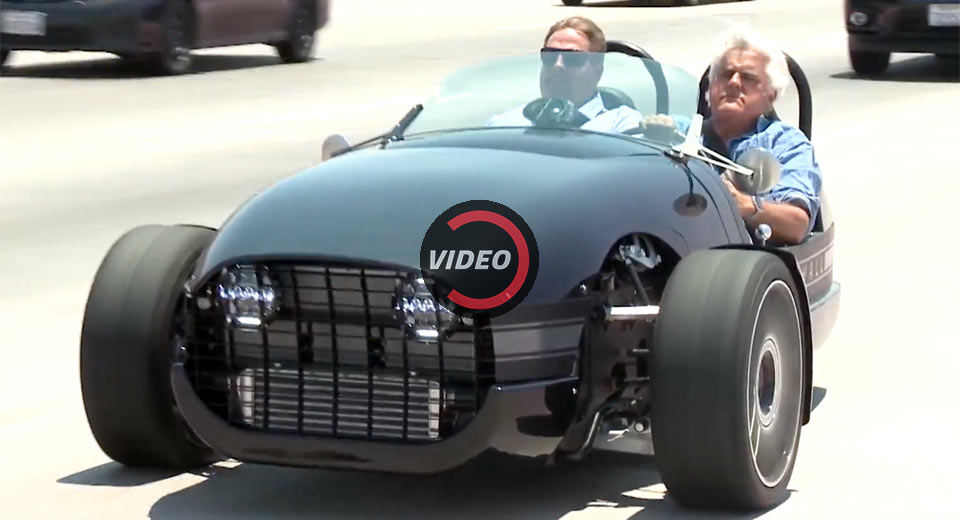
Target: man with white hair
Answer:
pixel 746 78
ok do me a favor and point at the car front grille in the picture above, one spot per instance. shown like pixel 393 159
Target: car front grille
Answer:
pixel 334 361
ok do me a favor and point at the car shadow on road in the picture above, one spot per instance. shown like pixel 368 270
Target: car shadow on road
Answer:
pixel 917 69
pixel 112 474
pixel 495 486
pixel 101 68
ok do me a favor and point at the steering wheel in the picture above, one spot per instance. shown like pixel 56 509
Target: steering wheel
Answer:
pixel 553 113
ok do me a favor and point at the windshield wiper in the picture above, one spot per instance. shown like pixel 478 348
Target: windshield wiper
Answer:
pixel 393 135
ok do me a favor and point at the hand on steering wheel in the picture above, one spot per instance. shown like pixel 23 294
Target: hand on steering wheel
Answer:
pixel 658 127
pixel 554 113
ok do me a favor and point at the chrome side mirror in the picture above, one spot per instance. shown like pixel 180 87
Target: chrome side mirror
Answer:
pixel 766 172
pixel 333 144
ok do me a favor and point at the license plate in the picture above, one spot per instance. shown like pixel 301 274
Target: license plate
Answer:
pixel 944 15
pixel 23 22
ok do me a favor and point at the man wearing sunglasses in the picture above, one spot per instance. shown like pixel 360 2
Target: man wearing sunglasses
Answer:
pixel 572 64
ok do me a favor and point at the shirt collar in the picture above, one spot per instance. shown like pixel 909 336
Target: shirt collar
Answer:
pixel 593 107
pixel 763 122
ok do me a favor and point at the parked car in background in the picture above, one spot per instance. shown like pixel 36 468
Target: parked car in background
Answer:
pixel 161 33
pixel 876 28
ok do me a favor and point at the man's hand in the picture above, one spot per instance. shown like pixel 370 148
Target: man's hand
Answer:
pixel 744 202
pixel 787 221
pixel 660 127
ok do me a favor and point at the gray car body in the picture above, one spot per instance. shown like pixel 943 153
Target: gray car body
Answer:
pixel 579 192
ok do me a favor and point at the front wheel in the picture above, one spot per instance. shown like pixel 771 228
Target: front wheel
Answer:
pixel 174 57
pixel 869 63
pixel 727 380
pixel 303 28
pixel 127 349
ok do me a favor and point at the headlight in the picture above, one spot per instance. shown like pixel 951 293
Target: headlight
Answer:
pixel 242 295
pixel 422 317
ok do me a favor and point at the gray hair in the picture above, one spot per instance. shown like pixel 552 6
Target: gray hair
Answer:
pixel 741 38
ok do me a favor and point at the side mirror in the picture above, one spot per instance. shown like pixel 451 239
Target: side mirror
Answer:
pixel 766 172
pixel 333 144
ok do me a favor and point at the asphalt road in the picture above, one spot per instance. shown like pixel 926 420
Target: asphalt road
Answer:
pixel 89 150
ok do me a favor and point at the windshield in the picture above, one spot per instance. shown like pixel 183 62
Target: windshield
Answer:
pixel 599 92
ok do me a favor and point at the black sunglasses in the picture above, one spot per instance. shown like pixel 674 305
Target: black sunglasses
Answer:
pixel 571 57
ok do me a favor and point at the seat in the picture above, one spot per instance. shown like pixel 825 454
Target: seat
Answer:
pixel 613 98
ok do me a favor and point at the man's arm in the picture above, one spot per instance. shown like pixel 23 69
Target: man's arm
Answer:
pixel 791 205
pixel 788 222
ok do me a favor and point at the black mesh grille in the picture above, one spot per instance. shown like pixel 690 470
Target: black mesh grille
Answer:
pixel 333 360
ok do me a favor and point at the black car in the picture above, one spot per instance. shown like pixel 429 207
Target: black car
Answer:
pixel 160 33
pixel 876 28
pixel 312 328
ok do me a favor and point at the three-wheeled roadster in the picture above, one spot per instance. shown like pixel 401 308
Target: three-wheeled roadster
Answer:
pixel 300 332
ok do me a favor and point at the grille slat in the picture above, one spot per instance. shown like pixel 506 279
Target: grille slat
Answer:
pixel 333 360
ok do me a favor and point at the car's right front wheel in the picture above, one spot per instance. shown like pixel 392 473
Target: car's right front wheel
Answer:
pixel 727 380
pixel 127 348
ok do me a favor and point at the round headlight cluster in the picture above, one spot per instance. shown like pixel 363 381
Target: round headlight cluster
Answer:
pixel 422 317
pixel 247 301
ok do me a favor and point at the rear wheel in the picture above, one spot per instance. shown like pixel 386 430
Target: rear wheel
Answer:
pixel 869 63
pixel 727 380
pixel 127 349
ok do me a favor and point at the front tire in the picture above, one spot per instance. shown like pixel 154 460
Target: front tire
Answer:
pixel 869 63
pixel 127 349
pixel 303 29
pixel 727 380
pixel 174 58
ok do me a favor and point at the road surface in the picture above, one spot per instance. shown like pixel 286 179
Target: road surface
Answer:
pixel 89 151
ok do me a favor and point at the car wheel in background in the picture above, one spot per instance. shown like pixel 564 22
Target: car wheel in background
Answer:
pixel 174 57
pixel 303 28
pixel 869 63
pixel 127 349
pixel 727 375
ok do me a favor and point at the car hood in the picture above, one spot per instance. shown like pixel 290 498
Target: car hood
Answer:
pixel 376 205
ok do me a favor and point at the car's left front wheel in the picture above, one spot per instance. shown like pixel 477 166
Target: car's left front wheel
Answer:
pixel 127 348
pixel 728 380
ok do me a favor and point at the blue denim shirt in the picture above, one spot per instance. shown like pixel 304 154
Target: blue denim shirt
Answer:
pixel 800 177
